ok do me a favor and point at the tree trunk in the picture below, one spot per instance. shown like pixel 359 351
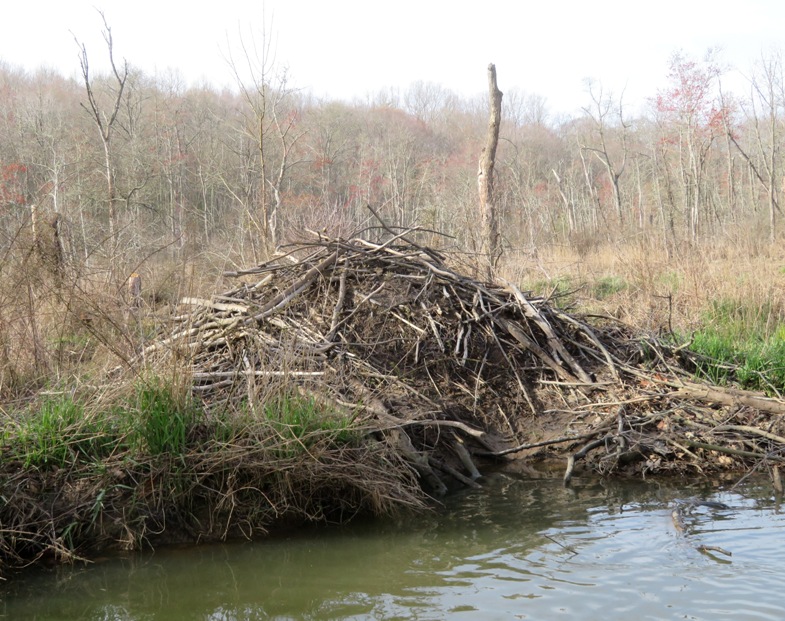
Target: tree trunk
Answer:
pixel 491 245
pixel 111 193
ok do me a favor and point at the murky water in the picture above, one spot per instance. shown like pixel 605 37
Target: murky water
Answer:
pixel 521 548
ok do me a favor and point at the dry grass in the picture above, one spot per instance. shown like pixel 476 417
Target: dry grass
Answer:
pixel 640 285
pixel 60 327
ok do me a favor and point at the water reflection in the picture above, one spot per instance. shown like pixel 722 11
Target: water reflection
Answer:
pixel 520 548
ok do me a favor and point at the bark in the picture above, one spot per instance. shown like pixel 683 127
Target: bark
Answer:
pixel 488 208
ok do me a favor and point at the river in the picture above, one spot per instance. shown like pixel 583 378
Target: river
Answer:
pixel 520 548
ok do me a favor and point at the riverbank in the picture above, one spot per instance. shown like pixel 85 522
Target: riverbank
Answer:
pixel 78 480
pixel 353 377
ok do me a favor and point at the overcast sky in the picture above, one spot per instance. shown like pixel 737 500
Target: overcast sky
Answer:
pixel 342 49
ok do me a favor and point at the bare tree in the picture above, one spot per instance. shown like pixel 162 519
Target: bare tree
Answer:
pixel 522 108
pixel 268 103
pixel 599 112
pixel 693 118
pixel 427 100
pixel 767 103
pixel 488 209
pixel 105 119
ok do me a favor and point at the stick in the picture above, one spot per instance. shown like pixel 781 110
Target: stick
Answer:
pixel 532 445
pixel 440 465
pixel 752 430
pixel 466 459
pixel 731 451
pixel 529 344
pixel 338 308
pixel 221 306
pixel 580 454
pixel 727 396
pixel 713 549
pixel 593 338
pixel 294 289
pixel 557 347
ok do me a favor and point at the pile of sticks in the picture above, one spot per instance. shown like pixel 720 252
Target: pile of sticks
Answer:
pixel 449 368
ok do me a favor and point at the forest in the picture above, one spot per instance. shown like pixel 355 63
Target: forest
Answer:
pixel 152 162
pixel 126 172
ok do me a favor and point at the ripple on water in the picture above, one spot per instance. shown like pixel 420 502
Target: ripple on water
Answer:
pixel 525 549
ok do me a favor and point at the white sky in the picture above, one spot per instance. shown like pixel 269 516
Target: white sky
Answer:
pixel 342 49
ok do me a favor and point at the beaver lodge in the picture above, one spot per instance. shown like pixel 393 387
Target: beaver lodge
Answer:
pixel 445 371
pixel 350 376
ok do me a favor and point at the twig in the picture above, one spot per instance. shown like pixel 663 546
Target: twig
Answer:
pixel 298 286
pixel 465 458
pixel 579 455
pixel 731 451
pixel 531 445
pixel 561 545
pixel 704 548
pixel 557 347
pixel 752 430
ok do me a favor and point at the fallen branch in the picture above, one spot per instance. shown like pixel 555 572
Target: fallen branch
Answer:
pixel 531 445
pixel 727 396
pixel 580 455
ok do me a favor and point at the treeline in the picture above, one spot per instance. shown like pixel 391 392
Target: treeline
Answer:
pixel 123 165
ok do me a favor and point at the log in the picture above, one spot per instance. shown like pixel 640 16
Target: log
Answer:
pixel 727 396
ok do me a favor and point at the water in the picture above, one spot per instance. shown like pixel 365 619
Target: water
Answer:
pixel 521 548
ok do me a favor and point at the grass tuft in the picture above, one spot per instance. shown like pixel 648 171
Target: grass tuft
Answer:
pixel 295 417
pixel 163 419
pixel 607 286
pixel 58 433
pixel 743 342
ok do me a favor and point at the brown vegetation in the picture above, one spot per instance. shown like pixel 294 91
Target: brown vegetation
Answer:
pixel 686 187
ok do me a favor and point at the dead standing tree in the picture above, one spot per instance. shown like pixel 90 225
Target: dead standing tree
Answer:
pixel 104 122
pixel 491 245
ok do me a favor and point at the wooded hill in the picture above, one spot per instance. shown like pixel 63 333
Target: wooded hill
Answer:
pixel 133 164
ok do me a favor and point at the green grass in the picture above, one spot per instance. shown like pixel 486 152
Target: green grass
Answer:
pixel 297 418
pixel 156 459
pixel 607 286
pixel 157 421
pixel 58 433
pixel 744 343
pixel 163 419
